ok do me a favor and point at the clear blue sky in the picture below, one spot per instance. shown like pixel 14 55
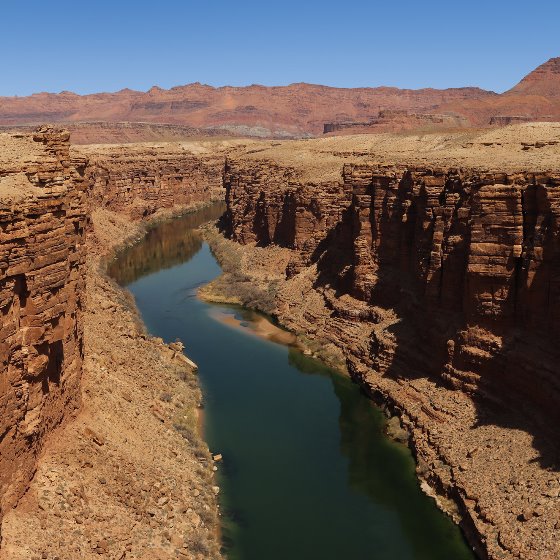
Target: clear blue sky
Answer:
pixel 100 45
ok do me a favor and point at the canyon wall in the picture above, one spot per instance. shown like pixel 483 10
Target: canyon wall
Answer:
pixel 107 132
pixel 53 353
pixel 398 120
pixel 42 284
pixel 47 191
pixel 415 273
pixel 139 180
pixel 440 290
pixel 469 261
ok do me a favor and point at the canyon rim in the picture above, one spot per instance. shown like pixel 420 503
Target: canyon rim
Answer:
pixel 407 238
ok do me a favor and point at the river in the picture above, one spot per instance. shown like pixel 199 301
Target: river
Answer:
pixel 307 471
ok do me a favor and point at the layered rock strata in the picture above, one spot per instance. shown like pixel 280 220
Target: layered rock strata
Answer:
pixel 441 289
pixel 62 351
pixel 42 283
pixel 129 477
pixel 398 120
pixel 438 286
pixel 294 111
pixel 142 179
pixel 104 132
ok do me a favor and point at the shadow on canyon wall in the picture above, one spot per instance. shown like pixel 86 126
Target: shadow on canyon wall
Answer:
pixel 514 385
pixel 506 360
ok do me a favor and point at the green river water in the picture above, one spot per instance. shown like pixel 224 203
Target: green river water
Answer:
pixel 307 471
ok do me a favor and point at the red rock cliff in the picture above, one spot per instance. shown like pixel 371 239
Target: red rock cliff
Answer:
pixel 139 180
pixel 42 222
pixel 469 261
pixel 441 289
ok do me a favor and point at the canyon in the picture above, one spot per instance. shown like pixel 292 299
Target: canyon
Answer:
pixel 117 408
pixel 294 111
pixel 436 285
pixel 141 179
pixel 424 264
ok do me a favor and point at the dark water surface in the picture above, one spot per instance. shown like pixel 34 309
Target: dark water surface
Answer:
pixel 307 472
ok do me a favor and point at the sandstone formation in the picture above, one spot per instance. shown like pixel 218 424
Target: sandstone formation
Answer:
pixel 401 120
pixel 129 477
pixel 543 81
pixel 440 286
pixel 426 263
pixel 129 132
pixel 42 283
pixel 107 132
pixel 143 178
pixel 131 451
pixel 535 98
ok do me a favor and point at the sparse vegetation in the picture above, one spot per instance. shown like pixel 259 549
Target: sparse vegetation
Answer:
pixel 234 286
pixel 199 545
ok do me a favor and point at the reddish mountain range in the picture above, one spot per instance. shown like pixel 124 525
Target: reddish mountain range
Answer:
pixel 535 98
pixel 298 109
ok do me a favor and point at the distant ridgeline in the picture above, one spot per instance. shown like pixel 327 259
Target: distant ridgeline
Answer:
pixel 295 111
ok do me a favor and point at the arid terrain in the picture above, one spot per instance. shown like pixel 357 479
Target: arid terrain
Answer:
pixel 424 264
pixel 121 430
pixel 132 453
pixel 297 110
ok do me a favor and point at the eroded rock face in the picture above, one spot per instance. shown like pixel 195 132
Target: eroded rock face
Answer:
pixel 440 288
pixel 267 204
pixel 469 261
pixel 47 192
pixel 42 283
pixel 139 181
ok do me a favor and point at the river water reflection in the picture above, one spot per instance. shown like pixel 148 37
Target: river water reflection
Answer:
pixel 307 472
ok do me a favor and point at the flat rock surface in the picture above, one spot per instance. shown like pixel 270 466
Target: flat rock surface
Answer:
pixel 525 147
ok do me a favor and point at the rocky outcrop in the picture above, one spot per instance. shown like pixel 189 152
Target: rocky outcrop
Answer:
pixel 50 196
pixel 266 204
pixel 441 287
pixel 127 132
pixel 42 283
pixel 143 179
pixel 503 120
pixel 397 120
pixel 107 132
pixel 471 261
pixel 130 476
